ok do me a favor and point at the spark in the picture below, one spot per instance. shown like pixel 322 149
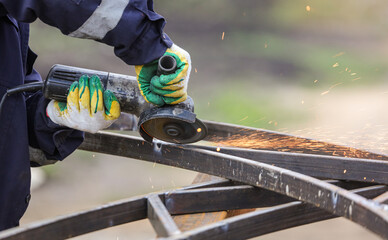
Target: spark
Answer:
pixel 316 80
pixel 335 65
pixel 199 130
pixel 195 69
pixel 308 8
pixel 94 155
pixel 345 171
pixel 355 79
pixel 338 54
pixel 302 102
pixel 352 74
pixel 333 86
pixel 292 144
pixel 243 119
pixel 223 35
pixel 364 178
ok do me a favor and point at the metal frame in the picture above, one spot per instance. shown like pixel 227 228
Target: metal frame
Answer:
pixel 285 183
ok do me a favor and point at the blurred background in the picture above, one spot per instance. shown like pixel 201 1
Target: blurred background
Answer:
pixel 311 68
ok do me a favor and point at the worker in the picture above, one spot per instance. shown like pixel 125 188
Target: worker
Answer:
pixel 136 33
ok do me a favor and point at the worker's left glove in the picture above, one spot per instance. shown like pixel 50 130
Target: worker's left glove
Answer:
pixel 88 108
pixel 165 89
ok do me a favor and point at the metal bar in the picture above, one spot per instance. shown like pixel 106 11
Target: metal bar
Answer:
pixel 266 221
pixel 323 195
pixel 108 215
pixel 241 136
pixel 84 222
pixel 329 167
pixel 229 198
pixel 221 198
pixel 190 221
pixel 160 218
pixel 383 198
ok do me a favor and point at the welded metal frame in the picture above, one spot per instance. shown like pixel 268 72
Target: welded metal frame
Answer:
pixel 289 192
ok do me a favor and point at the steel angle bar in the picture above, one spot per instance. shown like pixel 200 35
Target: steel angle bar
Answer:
pixel 221 198
pixel 382 198
pixel 266 221
pixel 105 216
pixel 230 198
pixel 241 136
pixel 84 222
pixel 310 190
pixel 160 218
pixel 329 167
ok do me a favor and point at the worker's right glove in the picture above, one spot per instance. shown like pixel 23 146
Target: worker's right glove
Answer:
pixel 165 89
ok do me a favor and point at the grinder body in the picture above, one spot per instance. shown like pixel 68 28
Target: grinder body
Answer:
pixel 171 123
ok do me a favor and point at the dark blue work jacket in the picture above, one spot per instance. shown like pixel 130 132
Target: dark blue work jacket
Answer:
pixel 135 32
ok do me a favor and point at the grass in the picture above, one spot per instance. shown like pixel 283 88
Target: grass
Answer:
pixel 239 103
pixel 307 61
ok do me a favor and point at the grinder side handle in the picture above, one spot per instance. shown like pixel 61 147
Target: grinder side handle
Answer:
pixel 166 65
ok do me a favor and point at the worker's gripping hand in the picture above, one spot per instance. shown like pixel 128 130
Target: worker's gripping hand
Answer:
pixel 88 108
pixel 165 89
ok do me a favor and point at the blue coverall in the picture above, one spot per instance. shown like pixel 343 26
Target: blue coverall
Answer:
pixel 130 26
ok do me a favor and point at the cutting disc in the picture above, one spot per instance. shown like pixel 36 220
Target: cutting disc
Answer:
pixel 175 130
pixel 171 124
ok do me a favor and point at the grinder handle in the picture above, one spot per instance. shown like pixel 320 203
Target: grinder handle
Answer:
pixel 60 78
pixel 166 65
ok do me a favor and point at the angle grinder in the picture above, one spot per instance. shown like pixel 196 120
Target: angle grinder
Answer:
pixel 170 123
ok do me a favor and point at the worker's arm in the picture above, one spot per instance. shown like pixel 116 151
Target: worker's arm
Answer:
pixel 130 26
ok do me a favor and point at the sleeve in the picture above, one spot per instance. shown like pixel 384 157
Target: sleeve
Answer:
pixel 130 26
pixel 57 142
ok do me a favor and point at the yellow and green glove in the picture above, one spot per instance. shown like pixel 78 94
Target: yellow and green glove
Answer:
pixel 88 108
pixel 165 89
